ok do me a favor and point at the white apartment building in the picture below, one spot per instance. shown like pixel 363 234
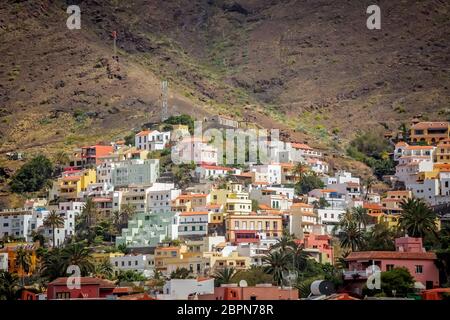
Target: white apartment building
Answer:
pixel 136 196
pixel 160 197
pixel 271 198
pixel 152 140
pixel 124 173
pixel 329 218
pixel 193 224
pixel 433 191
pixel 143 263
pixel 408 168
pixel 16 223
pixel 194 150
pixel 340 177
pixel 272 171
pixel 256 251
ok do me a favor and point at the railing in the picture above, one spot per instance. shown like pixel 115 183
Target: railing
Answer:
pixel 355 274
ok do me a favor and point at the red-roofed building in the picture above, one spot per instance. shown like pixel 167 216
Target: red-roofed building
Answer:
pixel 92 154
pixel 89 288
pixel 409 253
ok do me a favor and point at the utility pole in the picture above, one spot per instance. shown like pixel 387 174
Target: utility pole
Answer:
pixel 164 98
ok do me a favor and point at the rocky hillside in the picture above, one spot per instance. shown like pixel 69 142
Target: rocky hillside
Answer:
pixel 310 67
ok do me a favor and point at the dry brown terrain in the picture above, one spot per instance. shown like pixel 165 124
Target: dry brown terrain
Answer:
pixel 310 67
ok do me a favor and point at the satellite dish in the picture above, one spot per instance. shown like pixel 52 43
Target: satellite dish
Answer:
pixel 321 287
pixel 243 284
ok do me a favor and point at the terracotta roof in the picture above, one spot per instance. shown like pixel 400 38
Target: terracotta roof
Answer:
pixel 427 125
pixel 419 147
pixel 204 166
pixel 327 190
pixel 138 296
pixel 301 205
pixel 71 178
pixel 372 206
pixel 144 133
pixel 85 281
pixel 192 195
pixel 401 144
pixel 371 255
pixel 193 213
pixel 300 146
pixel 168 248
pixel 101 199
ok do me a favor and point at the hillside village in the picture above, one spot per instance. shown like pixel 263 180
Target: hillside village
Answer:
pixel 138 226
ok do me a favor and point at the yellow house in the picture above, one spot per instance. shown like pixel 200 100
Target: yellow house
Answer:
pixel 429 132
pixel 70 186
pixel 238 203
pixel 168 259
pixel 99 257
pixel 245 227
pixel 217 261
pixel 442 153
pixel 13 266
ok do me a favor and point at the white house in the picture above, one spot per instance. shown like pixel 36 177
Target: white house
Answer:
pixel 273 172
pixel 211 172
pixel 194 150
pixel 15 223
pixel 409 167
pixel 317 165
pixel 329 218
pixel 152 140
pixel 193 224
pixel 181 289
pixel 143 263
pixel 160 196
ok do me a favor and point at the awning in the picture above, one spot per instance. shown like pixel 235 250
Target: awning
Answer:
pixel 419 285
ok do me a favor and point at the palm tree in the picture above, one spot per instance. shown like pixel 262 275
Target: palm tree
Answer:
pixel 61 158
pixel 52 265
pixel 79 255
pixel 127 211
pixel 276 263
pixel 368 185
pixel 351 237
pixel 180 273
pixel 23 261
pixel 9 285
pixel 360 216
pixel 341 263
pixel 300 170
pixel 225 275
pixel 54 221
pixel 285 243
pixel 381 237
pixel 417 219
pixel 86 221
pixel 345 220
pixel 104 269
pixel 300 257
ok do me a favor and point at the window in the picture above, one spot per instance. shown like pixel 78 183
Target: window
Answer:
pixel 419 269
pixel 389 267
pixel 63 295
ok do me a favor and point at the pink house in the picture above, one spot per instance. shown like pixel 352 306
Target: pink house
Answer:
pixel 409 253
pixel 319 247
pixel 259 292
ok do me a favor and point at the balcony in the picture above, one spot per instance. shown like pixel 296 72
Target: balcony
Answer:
pixel 355 274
